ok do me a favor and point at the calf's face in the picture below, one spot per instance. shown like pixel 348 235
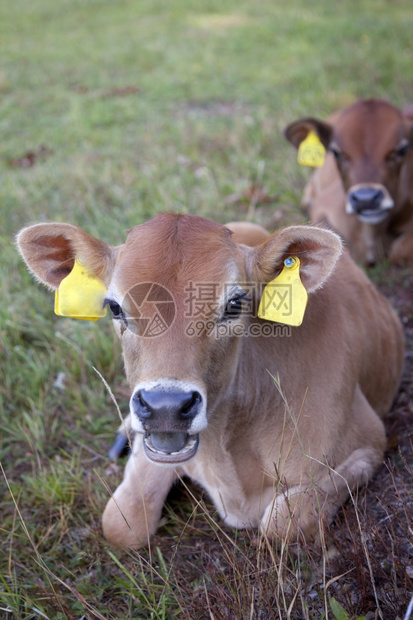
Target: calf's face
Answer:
pixel 171 292
pixel 371 142
pixel 178 291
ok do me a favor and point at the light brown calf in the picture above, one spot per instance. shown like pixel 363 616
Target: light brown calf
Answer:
pixel 364 190
pixel 277 423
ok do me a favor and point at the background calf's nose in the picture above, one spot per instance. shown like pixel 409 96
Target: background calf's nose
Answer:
pixel 366 198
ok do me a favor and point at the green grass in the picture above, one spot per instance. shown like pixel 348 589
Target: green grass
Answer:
pixel 130 108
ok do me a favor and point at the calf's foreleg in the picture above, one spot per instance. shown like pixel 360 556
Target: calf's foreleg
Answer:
pixel 402 249
pixel 133 512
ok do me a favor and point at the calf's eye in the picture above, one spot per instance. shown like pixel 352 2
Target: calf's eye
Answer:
pixel 115 309
pixel 338 155
pixel 399 152
pixel 234 306
pixel 402 150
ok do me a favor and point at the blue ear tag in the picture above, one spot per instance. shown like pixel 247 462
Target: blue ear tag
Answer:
pixel 284 299
pixel 80 295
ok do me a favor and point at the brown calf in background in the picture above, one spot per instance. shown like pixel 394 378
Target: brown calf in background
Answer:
pixel 364 190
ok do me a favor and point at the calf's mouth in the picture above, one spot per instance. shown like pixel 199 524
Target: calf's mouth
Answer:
pixel 372 216
pixel 170 448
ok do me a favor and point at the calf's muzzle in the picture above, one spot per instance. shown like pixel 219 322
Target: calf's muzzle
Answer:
pixel 166 417
pixel 366 198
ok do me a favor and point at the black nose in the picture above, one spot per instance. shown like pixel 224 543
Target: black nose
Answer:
pixel 366 198
pixel 163 406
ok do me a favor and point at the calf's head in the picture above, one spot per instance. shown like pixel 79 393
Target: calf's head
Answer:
pixel 371 142
pixel 180 291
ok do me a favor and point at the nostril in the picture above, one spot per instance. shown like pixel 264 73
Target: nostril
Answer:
pixel 378 198
pixel 141 407
pixel 189 408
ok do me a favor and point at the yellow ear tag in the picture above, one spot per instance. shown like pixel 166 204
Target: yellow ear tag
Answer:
pixel 284 299
pixel 311 151
pixel 80 295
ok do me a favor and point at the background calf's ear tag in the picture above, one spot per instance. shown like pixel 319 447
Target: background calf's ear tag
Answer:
pixel 80 295
pixel 284 299
pixel 311 151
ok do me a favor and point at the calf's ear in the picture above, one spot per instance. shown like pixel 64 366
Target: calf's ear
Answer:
pixel 317 249
pixel 408 113
pixel 49 251
pixel 297 131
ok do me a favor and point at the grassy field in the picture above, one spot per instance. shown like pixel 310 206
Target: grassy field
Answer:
pixel 110 113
